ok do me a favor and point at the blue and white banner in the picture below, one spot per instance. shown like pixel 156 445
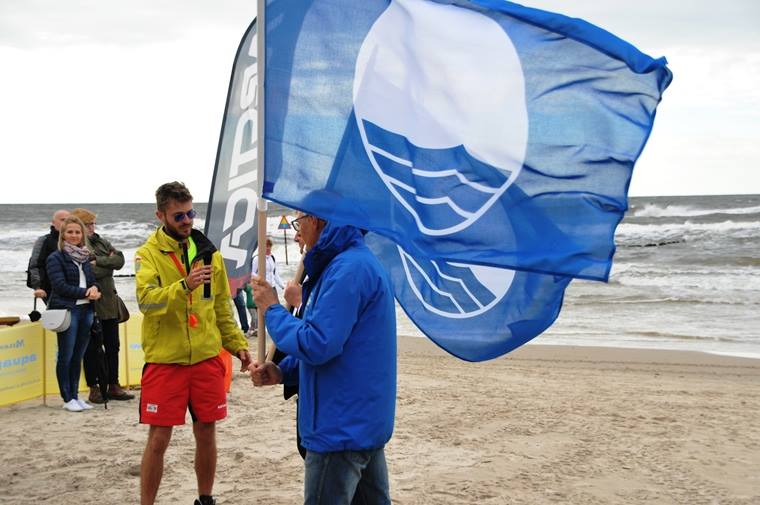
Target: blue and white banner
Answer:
pixel 475 132
pixel 231 216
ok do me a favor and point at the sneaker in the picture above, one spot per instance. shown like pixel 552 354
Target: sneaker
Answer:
pixel 252 333
pixel 207 501
pixel 83 404
pixel 72 406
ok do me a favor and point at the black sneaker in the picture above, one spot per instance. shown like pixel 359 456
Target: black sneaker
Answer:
pixel 206 500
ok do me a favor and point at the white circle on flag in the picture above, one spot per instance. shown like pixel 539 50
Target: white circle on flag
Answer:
pixel 443 76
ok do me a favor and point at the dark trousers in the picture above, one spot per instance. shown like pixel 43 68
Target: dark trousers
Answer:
pixel 239 300
pixel 111 345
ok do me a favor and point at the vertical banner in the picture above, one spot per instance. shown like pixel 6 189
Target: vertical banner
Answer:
pixel 231 217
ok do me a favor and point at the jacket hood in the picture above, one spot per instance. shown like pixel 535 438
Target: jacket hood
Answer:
pixel 333 241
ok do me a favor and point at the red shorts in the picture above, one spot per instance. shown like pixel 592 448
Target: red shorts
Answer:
pixel 168 391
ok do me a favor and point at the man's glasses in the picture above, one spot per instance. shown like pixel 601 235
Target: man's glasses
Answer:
pixel 296 224
pixel 180 216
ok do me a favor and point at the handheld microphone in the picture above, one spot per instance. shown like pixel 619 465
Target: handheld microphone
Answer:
pixel 207 286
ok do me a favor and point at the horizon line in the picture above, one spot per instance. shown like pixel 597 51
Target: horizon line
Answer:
pixel 206 202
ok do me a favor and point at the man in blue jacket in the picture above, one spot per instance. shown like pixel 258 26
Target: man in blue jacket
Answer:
pixel 342 355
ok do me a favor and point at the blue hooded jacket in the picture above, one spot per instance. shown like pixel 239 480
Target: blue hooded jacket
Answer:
pixel 342 353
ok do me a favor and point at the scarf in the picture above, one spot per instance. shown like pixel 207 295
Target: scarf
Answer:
pixel 78 254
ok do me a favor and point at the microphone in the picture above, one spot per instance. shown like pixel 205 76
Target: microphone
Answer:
pixel 207 286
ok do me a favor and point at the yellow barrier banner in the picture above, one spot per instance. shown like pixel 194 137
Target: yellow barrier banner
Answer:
pixel 28 355
pixel 51 357
pixel 130 369
pixel 21 363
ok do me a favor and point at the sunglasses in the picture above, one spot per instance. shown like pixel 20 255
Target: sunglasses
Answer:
pixel 180 216
pixel 296 224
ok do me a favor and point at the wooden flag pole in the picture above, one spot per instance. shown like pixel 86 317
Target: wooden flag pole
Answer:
pixel 260 141
pixel 262 269
pixel 297 278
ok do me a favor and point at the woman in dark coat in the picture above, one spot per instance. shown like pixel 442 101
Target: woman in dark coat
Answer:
pixel 104 259
pixel 73 287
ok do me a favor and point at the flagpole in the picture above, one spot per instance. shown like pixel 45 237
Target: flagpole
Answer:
pixel 298 277
pixel 261 203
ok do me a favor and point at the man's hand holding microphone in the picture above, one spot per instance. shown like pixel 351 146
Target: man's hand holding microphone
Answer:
pixel 201 274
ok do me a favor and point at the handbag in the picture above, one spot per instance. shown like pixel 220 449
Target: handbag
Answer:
pixel 57 320
pixel 121 308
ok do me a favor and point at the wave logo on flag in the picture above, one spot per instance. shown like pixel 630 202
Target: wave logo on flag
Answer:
pixel 441 147
pixel 473 312
pixel 455 290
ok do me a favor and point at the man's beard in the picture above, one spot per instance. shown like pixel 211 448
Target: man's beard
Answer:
pixel 174 233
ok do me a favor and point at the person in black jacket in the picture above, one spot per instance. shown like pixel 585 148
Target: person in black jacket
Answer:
pixel 73 287
pixel 44 246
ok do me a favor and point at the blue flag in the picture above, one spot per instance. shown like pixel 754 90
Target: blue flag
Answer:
pixel 478 132
pixel 487 147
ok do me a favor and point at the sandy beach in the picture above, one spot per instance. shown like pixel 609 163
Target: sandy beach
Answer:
pixel 578 425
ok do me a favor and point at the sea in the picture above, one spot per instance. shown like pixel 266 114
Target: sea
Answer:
pixel 685 276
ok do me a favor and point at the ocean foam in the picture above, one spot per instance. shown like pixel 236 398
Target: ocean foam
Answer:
pixel 657 210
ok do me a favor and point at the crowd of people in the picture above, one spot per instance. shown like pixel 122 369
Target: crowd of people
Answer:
pixel 336 341
pixel 72 268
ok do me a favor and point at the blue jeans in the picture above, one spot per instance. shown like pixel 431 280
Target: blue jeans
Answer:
pixel 72 344
pixel 239 300
pixel 346 478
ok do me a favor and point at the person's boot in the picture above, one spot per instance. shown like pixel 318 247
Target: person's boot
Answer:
pixel 115 392
pixel 205 500
pixel 95 396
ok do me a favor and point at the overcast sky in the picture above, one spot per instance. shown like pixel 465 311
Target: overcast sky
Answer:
pixel 103 100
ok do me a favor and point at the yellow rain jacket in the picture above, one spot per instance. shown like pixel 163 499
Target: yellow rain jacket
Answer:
pixel 163 298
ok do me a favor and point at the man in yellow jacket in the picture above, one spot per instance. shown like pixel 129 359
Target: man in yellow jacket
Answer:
pixel 184 294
